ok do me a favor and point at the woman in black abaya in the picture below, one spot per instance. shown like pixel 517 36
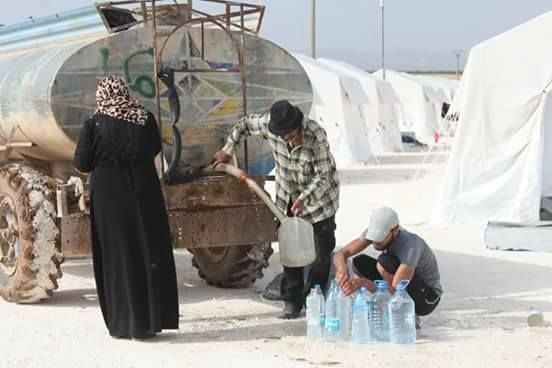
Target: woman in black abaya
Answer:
pixel 133 260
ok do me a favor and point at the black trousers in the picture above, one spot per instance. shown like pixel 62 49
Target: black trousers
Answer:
pixel 425 297
pixel 294 288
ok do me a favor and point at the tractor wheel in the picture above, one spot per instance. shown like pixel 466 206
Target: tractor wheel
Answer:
pixel 30 257
pixel 232 267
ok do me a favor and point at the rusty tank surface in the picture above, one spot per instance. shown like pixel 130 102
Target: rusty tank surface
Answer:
pixel 220 70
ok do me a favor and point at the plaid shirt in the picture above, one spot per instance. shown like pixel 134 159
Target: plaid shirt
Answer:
pixel 306 172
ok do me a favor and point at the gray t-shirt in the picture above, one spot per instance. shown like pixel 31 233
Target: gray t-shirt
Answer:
pixel 412 250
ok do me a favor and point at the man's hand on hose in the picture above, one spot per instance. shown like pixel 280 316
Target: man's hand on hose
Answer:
pixel 222 157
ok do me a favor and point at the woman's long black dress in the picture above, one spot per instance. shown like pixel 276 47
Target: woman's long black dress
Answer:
pixel 132 253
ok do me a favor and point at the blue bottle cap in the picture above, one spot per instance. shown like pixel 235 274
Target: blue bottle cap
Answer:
pixel 381 284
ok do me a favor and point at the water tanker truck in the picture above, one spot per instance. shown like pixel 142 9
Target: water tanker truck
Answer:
pixel 197 72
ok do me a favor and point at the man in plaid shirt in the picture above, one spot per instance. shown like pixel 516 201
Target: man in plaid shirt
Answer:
pixel 306 186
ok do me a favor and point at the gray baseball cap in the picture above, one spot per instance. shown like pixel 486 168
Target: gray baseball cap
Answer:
pixel 382 221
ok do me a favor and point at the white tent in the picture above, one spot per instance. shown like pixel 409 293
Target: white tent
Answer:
pixel 447 86
pixel 499 166
pixel 418 105
pixel 380 113
pixel 439 91
pixel 337 106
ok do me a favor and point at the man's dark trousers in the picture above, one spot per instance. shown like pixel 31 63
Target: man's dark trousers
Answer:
pixel 294 288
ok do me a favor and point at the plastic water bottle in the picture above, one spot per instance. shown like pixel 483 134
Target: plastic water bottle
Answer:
pixel 371 308
pixel 360 333
pixel 314 329
pixel 344 311
pixel 331 325
pixel 379 313
pixel 402 316
pixel 322 302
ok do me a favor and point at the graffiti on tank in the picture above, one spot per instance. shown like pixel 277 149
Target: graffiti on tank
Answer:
pixel 142 84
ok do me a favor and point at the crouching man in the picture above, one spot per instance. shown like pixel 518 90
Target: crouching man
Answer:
pixel 404 256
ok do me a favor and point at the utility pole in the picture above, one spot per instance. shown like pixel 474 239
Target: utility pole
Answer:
pixel 382 7
pixel 457 53
pixel 312 45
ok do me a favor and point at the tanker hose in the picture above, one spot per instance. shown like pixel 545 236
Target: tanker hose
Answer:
pixel 242 175
pixel 166 75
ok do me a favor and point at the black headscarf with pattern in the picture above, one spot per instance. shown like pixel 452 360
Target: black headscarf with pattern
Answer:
pixel 113 99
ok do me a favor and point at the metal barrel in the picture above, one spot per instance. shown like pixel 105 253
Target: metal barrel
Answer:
pixel 31 55
pixel 50 67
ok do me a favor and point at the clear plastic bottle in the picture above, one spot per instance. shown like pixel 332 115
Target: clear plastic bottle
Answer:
pixel 344 312
pixel 379 313
pixel 331 325
pixel 320 296
pixel 402 316
pixel 360 333
pixel 370 303
pixel 314 330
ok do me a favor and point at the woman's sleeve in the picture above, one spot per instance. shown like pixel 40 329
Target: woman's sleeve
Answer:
pixel 155 143
pixel 84 153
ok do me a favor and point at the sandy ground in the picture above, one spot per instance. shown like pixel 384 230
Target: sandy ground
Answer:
pixel 481 321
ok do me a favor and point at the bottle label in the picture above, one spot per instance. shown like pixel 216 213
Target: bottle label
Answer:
pixel 332 325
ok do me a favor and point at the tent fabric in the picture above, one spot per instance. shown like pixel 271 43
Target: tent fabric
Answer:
pixel 420 114
pixel 338 109
pixel 354 91
pixel 498 169
pixel 381 112
pixel 447 86
pixel 441 89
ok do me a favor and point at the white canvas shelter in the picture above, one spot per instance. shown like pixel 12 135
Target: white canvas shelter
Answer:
pixel 500 162
pixel 380 113
pixel 439 91
pixel 418 102
pixel 447 86
pixel 337 106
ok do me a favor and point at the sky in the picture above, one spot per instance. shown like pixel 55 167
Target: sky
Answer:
pixel 419 34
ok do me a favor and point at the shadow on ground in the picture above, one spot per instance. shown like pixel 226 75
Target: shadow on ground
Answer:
pixel 480 293
pixel 191 288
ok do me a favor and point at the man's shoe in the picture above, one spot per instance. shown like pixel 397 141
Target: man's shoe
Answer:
pixel 291 311
pixel 273 290
pixel 272 295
